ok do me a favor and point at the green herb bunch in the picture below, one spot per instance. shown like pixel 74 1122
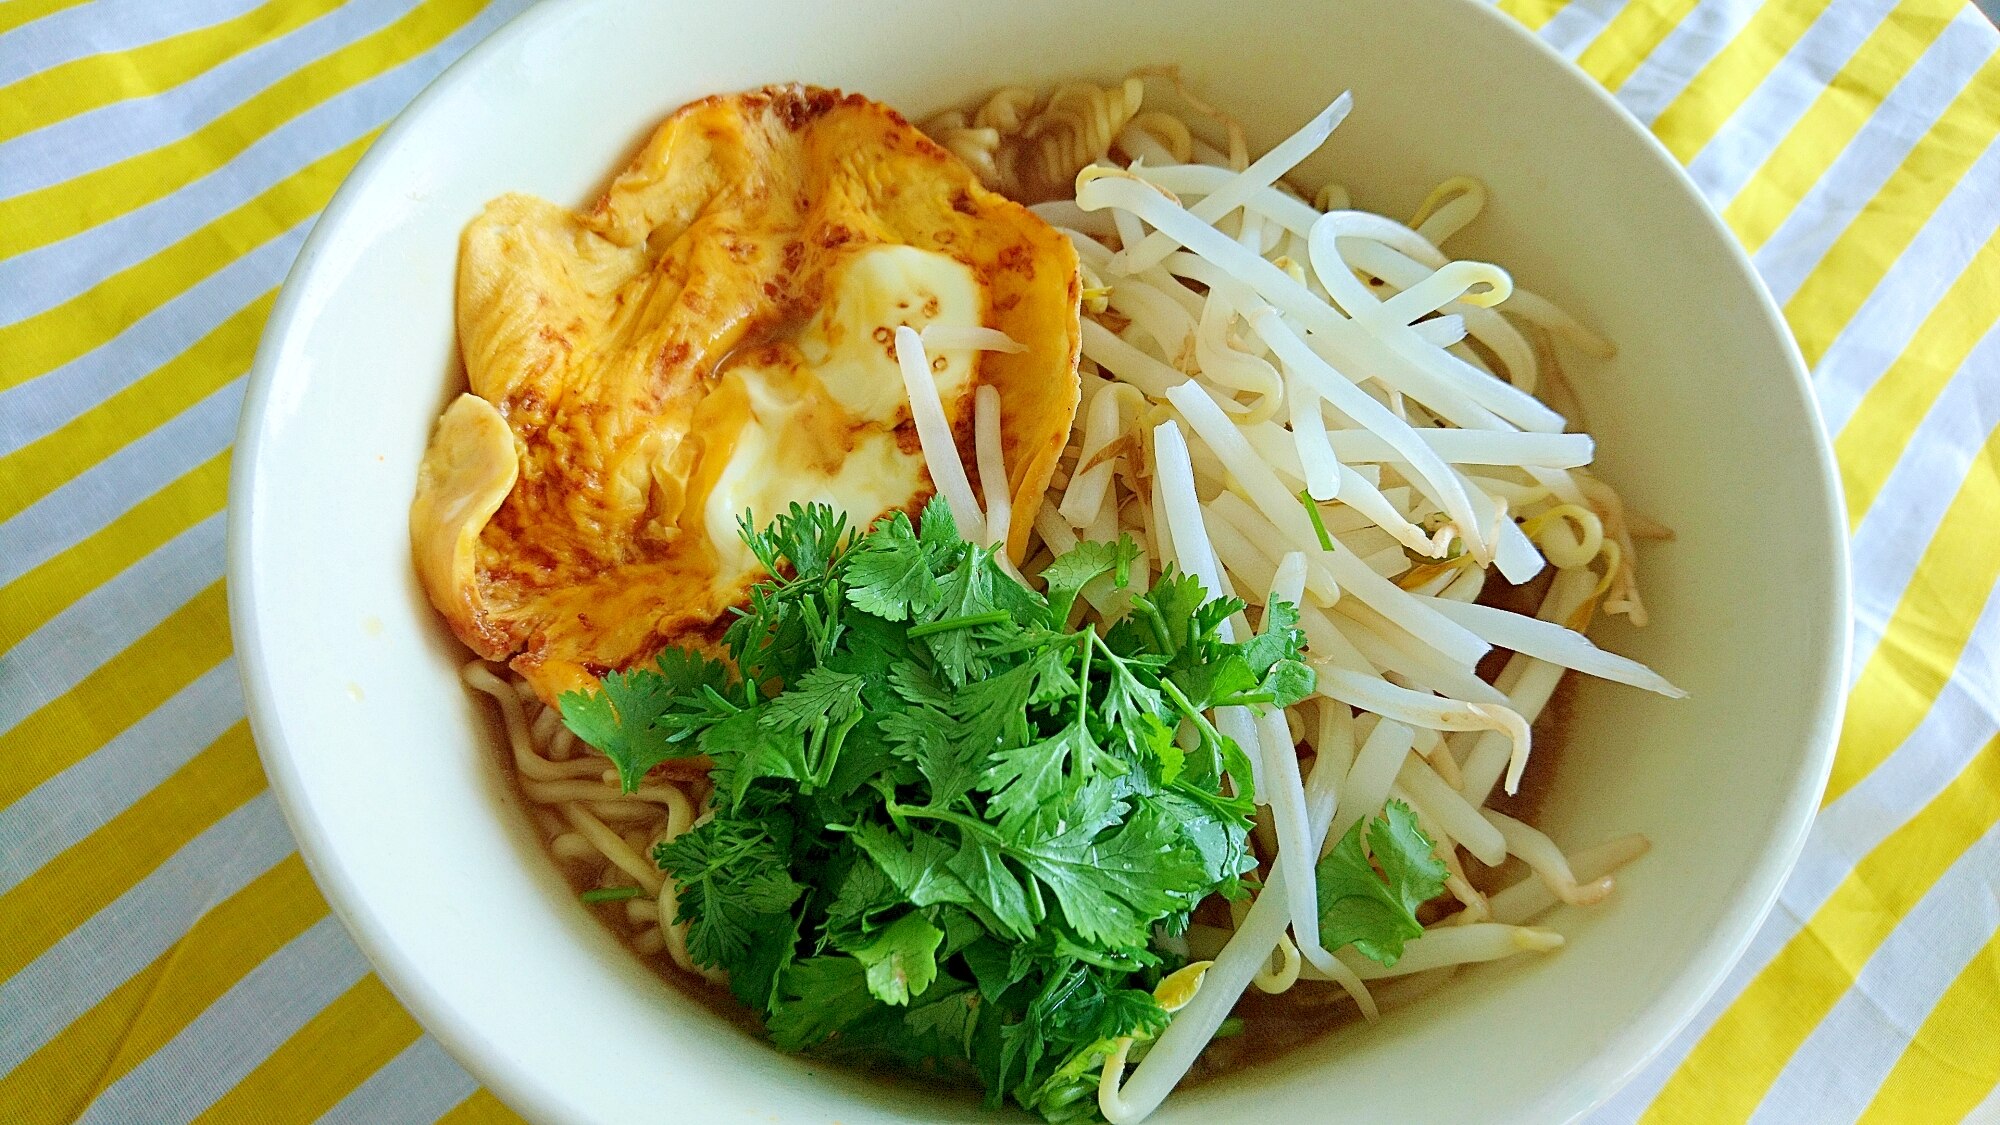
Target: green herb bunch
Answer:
pixel 949 829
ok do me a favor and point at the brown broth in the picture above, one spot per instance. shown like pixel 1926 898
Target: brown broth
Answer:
pixel 581 877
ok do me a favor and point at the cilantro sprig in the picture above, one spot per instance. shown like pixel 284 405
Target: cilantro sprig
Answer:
pixel 1377 913
pixel 949 829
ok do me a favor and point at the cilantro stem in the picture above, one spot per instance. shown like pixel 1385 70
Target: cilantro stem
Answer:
pixel 1146 609
pixel 965 823
pixel 815 625
pixel 716 698
pixel 1083 678
pixel 1319 525
pixel 609 894
pixel 969 621
pixel 828 742
pixel 1186 707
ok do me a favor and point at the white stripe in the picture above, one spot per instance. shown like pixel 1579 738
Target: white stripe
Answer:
pixel 241 1029
pixel 1693 43
pixel 108 620
pixel 48 275
pixel 1885 324
pixel 1743 143
pixel 106 25
pixel 111 487
pixel 1577 23
pixel 415 1088
pixel 1850 185
pixel 1948 739
pixel 124 129
pixel 61 811
pixel 40 406
pixel 91 961
pixel 1907 514
pixel 1843 1063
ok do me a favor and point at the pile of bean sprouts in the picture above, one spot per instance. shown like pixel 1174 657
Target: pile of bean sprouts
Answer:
pixel 1291 400
pixel 1294 400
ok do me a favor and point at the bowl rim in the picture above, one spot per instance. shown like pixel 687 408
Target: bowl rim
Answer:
pixel 1670 1011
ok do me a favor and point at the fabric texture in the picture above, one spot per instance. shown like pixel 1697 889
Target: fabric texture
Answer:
pixel 164 955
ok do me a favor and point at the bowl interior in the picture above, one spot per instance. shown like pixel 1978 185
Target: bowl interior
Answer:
pixel 1704 423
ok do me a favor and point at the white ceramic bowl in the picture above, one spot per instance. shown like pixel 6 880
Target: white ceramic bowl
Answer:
pixel 1704 422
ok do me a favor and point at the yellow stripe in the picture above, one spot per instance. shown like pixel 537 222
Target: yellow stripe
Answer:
pixel 81 85
pixel 17 12
pixel 55 336
pixel 56 212
pixel 40 467
pixel 139 1017
pixel 69 889
pixel 1720 88
pixel 33 600
pixel 1929 629
pixel 1633 34
pixel 1886 419
pixel 1953 1062
pixel 480 1108
pixel 1833 119
pixel 192 640
pixel 1534 13
pixel 1885 228
pixel 1742 1053
pixel 337 1050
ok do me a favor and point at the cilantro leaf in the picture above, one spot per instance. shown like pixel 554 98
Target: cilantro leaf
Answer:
pixel 745 750
pixel 1374 913
pixel 1132 706
pixel 901 961
pixel 1027 782
pixel 937 531
pixel 992 968
pixel 1011 907
pixel 808 537
pixel 1110 888
pixel 1162 619
pixel 930 739
pixel 913 684
pixel 888 573
pixel 816 998
pixel 992 713
pixel 1220 841
pixel 733 877
pixel 873 649
pixel 1159 742
pixel 1288 682
pixel 1218 683
pixel 821 694
pixel 1068 575
pixel 915 863
pixel 641 718
pixel 821 707
pixel 1277 639
pixel 940 1026
pixel 966 592
pixel 865 892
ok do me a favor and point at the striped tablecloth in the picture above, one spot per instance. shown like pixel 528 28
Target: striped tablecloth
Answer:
pixel 163 955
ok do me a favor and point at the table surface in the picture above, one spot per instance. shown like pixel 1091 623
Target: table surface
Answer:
pixel 164 955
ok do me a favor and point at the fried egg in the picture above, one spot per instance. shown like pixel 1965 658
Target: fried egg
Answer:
pixel 714 337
